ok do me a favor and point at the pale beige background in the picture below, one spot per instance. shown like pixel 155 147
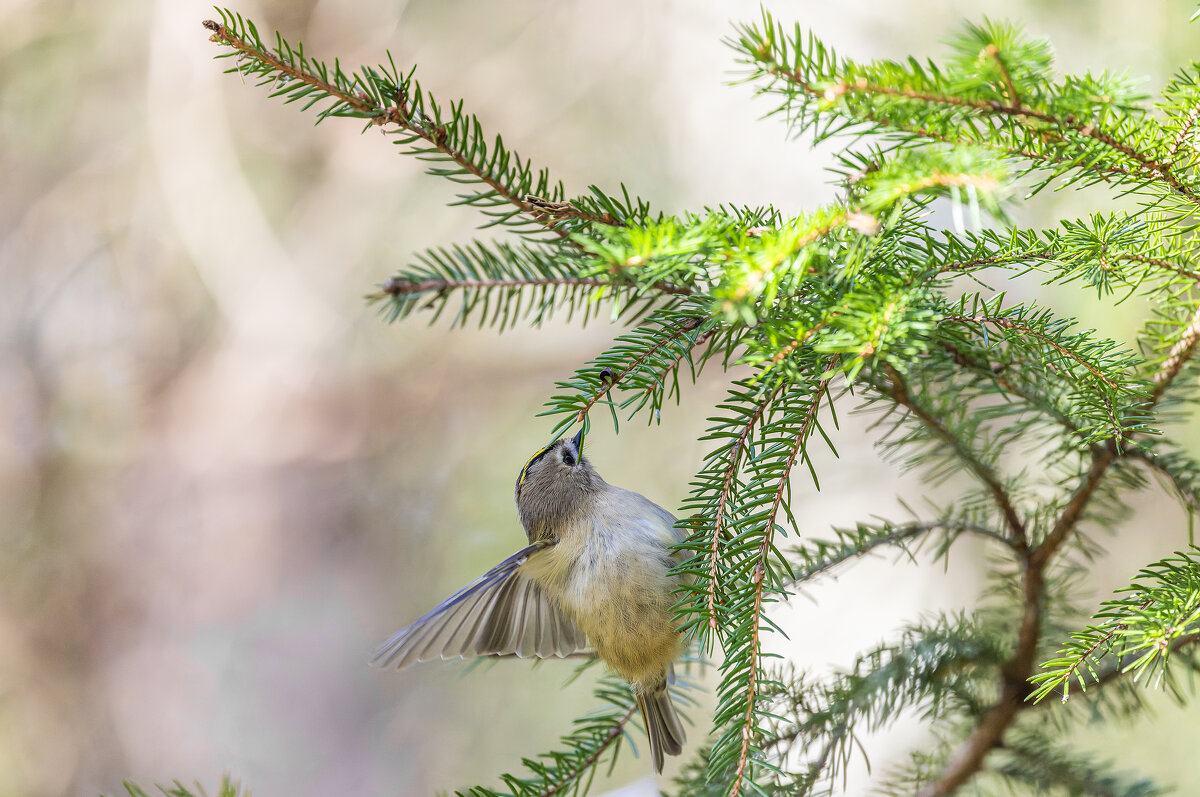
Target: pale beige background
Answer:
pixel 223 479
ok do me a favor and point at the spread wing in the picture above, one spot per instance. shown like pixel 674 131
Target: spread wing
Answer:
pixel 502 613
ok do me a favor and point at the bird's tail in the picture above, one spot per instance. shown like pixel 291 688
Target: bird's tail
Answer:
pixel 662 724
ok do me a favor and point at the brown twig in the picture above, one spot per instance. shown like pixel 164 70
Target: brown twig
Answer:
pixel 1016 526
pixel 402 117
pixel 614 733
pixel 738 447
pixel 760 572
pixel 405 287
pixel 1179 356
pixel 616 378
pixel 1013 97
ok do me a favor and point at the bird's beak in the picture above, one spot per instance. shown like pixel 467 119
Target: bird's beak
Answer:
pixel 577 441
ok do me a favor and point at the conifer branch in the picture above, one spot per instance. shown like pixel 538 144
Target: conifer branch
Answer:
pixel 994 53
pixel 1184 132
pixel 1107 172
pixel 989 730
pixel 1015 690
pixel 1008 323
pixel 759 578
pixel 404 116
pixel 571 777
pixel 1120 667
pixel 1016 526
pixel 1147 164
pixel 731 469
pixel 1180 354
pixel 868 286
pixel 828 555
pixel 402 286
pixel 614 379
pixel 1101 458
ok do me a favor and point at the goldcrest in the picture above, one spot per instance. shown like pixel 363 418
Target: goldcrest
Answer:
pixel 597 569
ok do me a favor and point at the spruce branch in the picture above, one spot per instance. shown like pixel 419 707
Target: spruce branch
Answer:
pixel 571 776
pixel 385 98
pixel 816 82
pixel 1158 614
pixel 1180 354
pixel 640 364
pixel 759 577
pixel 822 556
pixel 988 733
pixel 503 284
pixel 733 458
pixel 866 291
pixel 898 391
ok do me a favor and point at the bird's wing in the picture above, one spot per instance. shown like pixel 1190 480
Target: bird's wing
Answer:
pixel 503 612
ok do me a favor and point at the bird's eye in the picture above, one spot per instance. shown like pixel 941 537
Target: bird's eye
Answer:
pixel 568 458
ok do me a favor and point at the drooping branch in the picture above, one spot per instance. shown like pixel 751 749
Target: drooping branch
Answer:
pixel 403 117
pixel 759 577
pixel 1016 526
pixel 737 449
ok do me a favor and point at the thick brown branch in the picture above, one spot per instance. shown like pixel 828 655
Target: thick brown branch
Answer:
pixel 1068 519
pixel 989 732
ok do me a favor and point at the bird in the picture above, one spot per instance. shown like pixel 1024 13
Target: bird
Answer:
pixel 597 569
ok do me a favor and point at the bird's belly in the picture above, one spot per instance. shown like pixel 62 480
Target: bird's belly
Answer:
pixel 622 600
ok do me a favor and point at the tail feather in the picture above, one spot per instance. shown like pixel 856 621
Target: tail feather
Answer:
pixel 663 727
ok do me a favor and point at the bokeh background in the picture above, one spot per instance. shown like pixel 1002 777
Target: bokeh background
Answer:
pixel 223 478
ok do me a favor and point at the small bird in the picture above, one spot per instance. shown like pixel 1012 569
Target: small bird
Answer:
pixel 597 568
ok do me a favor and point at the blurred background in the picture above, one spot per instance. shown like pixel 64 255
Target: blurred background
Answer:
pixel 224 479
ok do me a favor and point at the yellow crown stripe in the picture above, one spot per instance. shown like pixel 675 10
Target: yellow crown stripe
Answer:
pixel 525 470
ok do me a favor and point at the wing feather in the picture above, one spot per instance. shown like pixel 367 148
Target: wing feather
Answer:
pixel 503 612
